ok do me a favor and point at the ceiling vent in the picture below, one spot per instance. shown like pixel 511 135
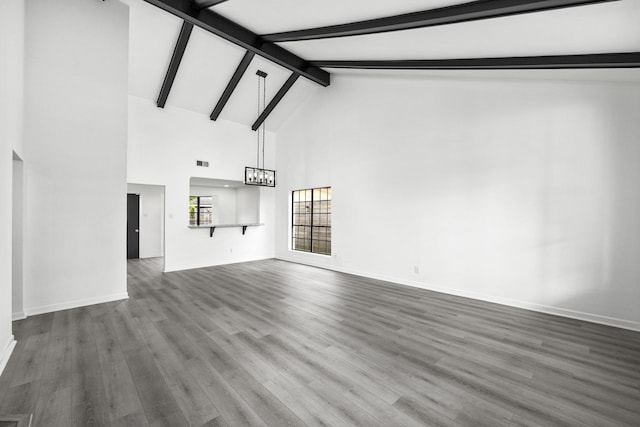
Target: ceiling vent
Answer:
pixel 202 163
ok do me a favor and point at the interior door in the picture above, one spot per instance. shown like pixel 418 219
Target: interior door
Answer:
pixel 133 226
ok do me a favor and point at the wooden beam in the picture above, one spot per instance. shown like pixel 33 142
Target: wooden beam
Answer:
pixel 176 58
pixel 482 9
pixel 231 86
pixel 217 24
pixel 205 4
pixel 602 60
pixel 276 99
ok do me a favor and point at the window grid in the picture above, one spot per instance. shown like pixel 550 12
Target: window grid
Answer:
pixel 311 220
pixel 200 210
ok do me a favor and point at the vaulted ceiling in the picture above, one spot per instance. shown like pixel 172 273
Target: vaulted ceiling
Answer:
pixel 209 61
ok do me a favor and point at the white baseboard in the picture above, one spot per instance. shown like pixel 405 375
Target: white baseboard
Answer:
pixel 18 316
pixel 75 304
pixel 557 311
pixel 6 353
pixel 171 269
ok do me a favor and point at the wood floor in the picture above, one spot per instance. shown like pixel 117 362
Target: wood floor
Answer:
pixel 279 344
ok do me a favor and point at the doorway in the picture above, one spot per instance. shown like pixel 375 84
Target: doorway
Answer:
pixel 133 226
pixel 147 216
pixel 17 238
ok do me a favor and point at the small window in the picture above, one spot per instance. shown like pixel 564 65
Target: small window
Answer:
pixel 311 220
pixel 200 210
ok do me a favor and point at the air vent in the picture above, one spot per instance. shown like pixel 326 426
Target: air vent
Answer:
pixel 202 163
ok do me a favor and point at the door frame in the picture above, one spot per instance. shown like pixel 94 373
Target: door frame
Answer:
pixel 131 189
pixel 137 230
pixel 17 237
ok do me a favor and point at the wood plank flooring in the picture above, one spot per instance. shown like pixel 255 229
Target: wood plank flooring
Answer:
pixel 281 344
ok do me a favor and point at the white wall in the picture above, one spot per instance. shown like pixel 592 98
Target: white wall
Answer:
pixel 520 192
pixel 151 219
pixel 11 102
pixel 75 153
pixel 12 63
pixel 248 205
pixel 164 145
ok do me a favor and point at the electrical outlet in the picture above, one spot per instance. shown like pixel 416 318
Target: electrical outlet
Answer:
pixel 416 269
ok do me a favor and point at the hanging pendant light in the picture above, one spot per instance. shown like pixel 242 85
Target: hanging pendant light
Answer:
pixel 259 175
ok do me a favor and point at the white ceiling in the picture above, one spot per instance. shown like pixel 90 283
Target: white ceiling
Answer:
pixel 272 16
pixel 207 65
pixel 209 61
pixel 598 28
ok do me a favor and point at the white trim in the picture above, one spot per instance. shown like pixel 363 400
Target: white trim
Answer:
pixel 293 252
pixel 207 265
pixel 6 353
pixel 18 316
pixel 74 304
pixel 557 311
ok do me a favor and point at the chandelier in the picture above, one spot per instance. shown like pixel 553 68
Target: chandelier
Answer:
pixel 259 175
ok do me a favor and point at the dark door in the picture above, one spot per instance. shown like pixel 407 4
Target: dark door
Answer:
pixel 133 226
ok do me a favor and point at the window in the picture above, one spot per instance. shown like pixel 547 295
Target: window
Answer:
pixel 200 210
pixel 311 220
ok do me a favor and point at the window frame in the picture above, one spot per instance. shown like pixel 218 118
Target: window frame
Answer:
pixel 200 206
pixel 311 226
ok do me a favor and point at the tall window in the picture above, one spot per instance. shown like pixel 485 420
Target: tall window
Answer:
pixel 311 220
pixel 200 210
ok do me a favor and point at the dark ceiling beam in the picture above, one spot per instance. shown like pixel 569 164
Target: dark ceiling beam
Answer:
pixel 231 86
pixel 176 58
pixel 482 9
pixel 205 4
pixel 217 24
pixel 601 60
pixel 276 99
